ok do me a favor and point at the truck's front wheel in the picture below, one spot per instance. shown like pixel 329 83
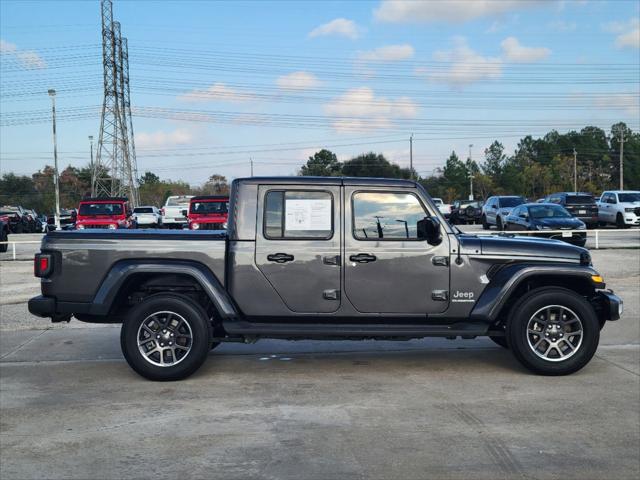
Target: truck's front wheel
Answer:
pixel 166 337
pixel 553 331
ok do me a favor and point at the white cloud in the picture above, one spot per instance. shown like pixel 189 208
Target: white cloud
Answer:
pixel 217 92
pixel 359 109
pixel 26 58
pixel 298 81
pixel 388 53
pixel 159 139
pixel 630 39
pixel 412 11
pixel 627 102
pixel 513 51
pixel 628 33
pixel 461 66
pixel 340 27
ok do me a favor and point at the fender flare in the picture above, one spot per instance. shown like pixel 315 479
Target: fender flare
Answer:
pixel 507 280
pixel 123 270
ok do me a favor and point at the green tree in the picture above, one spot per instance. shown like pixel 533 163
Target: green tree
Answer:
pixel 373 165
pixel 323 163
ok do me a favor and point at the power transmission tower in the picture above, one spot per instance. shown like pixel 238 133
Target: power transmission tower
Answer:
pixel 114 157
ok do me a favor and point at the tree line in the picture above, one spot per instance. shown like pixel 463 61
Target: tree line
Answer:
pixel 537 167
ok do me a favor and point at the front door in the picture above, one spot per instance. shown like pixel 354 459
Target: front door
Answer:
pixel 388 268
pixel 298 245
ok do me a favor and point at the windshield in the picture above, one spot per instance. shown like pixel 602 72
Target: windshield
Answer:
pixel 178 201
pixel 629 197
pixel 548 211
pixel 579 199
pixel 511 202
pixel 143 210
pixel 100 209
pixel 209 207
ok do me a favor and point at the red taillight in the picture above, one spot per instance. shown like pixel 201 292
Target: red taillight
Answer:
pixel 42 265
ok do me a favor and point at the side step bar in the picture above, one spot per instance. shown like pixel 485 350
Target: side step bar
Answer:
pixel 313 330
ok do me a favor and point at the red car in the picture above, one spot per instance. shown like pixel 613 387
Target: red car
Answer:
pixel 209 212
pixel 107 212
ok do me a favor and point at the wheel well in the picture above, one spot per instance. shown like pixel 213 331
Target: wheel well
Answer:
pixel 580 285
pixel 139 286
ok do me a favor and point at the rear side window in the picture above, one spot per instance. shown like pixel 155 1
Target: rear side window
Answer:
pixel 143 210
pixel 387 216
pixel 295 214
pixel 579 199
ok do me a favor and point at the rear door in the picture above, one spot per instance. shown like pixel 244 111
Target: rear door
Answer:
pixel 298 245
pixel 388 269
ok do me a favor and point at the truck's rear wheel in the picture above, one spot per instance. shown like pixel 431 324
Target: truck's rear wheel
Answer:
pixel 166 337
pixel 553 331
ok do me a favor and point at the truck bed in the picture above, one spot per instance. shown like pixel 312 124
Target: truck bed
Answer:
pixel 97 251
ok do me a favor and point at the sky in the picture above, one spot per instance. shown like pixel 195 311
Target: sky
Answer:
pixel 216 85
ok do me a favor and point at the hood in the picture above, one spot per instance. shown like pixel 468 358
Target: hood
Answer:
pixel 558 222
pixel 514 247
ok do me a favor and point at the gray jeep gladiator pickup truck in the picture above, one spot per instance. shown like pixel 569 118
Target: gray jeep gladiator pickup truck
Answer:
pixel 325 258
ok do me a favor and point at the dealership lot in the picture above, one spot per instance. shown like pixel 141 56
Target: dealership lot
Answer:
pixel 72 408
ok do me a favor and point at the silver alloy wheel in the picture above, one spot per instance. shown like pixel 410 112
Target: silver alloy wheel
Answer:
pixel 554 333
pixel 164 338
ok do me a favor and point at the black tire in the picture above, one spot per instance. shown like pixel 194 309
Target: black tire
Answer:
pixel 4 236
pixel 620 221
pixel 502 341
pixel 519 338
pixel 197 321
pixel 485 225
pixel 499 224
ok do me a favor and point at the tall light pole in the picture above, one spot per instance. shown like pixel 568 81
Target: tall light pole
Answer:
pixel 621 160
pixel 411 155
pixel 470 174
pixel 56 178
pixel 575 171
pixel 93 173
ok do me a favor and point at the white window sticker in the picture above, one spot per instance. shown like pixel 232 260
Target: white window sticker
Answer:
pixel 307 215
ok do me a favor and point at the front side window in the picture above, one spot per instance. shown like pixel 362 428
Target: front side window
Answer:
pixel 387 216
pixel 296 214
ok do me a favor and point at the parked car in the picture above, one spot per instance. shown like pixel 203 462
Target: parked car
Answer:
pixel 35 222
pixel 445 208
pixel 18 219
pixel 147 216
pixel 465 212
pixel 496 209
pixel 68 219
pixel 620 207
pixel 209 212
pixel 579 204
pixel 104 212
pixel 325 258
pixel 547 219
pixel 4 232
pixel 173 215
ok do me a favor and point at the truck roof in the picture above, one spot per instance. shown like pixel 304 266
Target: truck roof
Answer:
pixel 397 182
pixel 104 199
pixel 210 198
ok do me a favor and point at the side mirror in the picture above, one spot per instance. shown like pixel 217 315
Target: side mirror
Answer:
pixel 429 229
pixel 184 213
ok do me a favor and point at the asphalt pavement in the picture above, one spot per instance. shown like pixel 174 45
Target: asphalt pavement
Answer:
pixel 70 407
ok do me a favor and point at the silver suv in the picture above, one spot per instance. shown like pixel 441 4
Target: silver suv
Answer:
pixel 496 209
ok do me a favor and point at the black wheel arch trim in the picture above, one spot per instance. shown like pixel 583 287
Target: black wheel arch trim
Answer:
pixel 123 270
pixel 509 278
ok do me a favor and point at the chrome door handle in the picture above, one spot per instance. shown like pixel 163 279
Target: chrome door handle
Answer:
pixel 280 257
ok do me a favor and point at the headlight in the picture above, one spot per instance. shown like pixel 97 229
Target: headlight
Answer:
pixel 629 210
pixel 112 226
pixel 80 227
pixel 542 227
pixel 224 225
pixel 195 226
pixel 582 226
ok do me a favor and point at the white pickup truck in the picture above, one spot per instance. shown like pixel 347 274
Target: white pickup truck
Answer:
pixel 173 211
pixel 445 208
pixel 621 207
